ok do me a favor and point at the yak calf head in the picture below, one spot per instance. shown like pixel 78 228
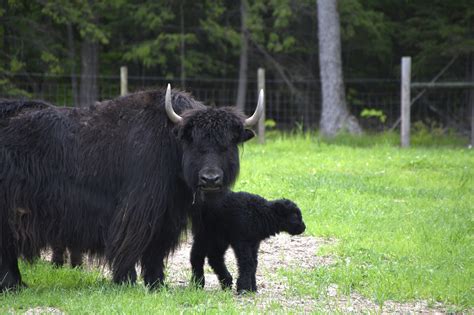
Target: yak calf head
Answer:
pixel 210 139
pixel 289 216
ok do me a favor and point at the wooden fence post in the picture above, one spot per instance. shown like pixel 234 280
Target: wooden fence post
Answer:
pixel 405 102
pixel 123 81
pixel 261 121
pixel 471 101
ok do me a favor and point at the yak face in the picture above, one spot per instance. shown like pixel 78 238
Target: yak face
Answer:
pixel 289 216
pixel 210 139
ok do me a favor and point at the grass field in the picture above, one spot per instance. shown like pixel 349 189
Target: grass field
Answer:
pixel 403 220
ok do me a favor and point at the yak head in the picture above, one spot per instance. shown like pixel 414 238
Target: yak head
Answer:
pixel 289 216
pixel 210 138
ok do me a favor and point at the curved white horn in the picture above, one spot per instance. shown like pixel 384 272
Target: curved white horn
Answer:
pixel 169 107
pixel 252 120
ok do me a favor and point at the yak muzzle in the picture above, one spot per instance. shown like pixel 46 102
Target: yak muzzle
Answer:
pixel 211 179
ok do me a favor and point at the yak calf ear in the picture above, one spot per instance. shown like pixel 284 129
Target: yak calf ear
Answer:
pixel 279 207
pixel 248 134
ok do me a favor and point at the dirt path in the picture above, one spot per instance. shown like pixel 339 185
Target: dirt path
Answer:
pixel 283 251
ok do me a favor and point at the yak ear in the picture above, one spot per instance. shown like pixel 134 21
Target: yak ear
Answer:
pixel 247 135
pixel 281 207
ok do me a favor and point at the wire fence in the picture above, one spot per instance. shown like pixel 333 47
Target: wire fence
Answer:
pixel 376 102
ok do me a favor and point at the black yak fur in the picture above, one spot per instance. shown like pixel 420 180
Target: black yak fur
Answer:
pixel 240 220
pixel 117 180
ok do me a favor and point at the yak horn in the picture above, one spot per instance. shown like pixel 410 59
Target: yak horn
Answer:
pixel 252 120
pixel 169 107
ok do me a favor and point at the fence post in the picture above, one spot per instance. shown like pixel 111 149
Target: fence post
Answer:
pixel 261 121
pixel 471 101
pixel 405 102
pixel 123 80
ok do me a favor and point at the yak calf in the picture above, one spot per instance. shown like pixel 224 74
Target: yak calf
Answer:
pixel 240 220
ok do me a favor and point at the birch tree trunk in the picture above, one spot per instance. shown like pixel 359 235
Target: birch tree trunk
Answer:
pixel 335 115
pixel 88 93
pixel 242 89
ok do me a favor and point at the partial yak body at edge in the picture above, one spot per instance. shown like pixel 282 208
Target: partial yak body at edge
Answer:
pixel 117 180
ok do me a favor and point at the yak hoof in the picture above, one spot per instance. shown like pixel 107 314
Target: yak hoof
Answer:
pixel 198 282
pixel 156 286
pixel 12 286
pixel 226 283
pixel 246 291
pixel 244 288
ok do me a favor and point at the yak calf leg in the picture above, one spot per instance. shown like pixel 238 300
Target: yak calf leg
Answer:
pixel 246 264
pixel 216 260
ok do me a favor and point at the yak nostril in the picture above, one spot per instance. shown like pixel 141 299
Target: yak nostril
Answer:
pixel 211 178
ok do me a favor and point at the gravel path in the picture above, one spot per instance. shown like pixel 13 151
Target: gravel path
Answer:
pixel 283 251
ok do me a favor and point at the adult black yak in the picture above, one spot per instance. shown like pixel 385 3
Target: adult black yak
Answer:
pixel 119 179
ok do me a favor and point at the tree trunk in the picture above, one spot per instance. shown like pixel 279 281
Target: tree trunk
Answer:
pixel 72 57
pixel 242 89
pixel 335 115
pixel 90 67
pixel 182 48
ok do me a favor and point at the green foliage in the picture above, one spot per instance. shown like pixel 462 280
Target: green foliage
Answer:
pixel 366 35
pixel 370 112
pixel 270 124
pixel 83 14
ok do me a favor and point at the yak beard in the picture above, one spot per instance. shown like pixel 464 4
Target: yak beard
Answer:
pixel 208 196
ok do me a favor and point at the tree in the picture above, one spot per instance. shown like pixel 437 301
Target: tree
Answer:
pixel 83 17
pixel 242 89
pixel 335 115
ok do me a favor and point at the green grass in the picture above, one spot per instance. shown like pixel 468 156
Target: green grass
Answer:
pixel 403 218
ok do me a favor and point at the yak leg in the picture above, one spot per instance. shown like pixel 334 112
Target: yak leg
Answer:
pixel 129 275
pixel 156 252
pixel 76 257
pixel 245 262
pixel 216 260
pixel 255 262
pixel 153 269
pixel 153 264
pixel 198 255
pixel 10 277
pixel 58 255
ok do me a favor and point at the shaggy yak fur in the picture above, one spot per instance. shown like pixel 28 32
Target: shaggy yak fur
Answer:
pixel 241 220
pixel 117 180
